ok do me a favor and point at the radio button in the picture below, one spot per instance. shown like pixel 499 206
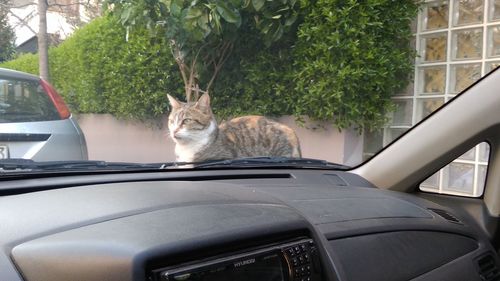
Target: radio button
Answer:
pixel 302 259
pixel 297 272
pixel 303 270
pixel 296 249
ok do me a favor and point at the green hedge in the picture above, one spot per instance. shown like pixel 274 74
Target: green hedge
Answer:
pixel 346 60
pixel 351 57
pixel 27 63
pixel 97 71
pixel 343 63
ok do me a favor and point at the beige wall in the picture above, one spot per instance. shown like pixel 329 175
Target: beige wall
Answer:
pixel 111 139
pixel 321 140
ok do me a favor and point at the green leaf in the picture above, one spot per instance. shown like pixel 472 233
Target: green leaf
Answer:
pixel 214 20
pixel 163 8
pixel 193 13
pixel 266 26
pixel 236 3
pixel 126 15
pixel 272 32
pixel 203 24
pixel 278 33
pixel 176 8
pixel 258 4
pixel 291 20
pixel 283 9
pixel 198 35
pixel 228 14
pixel 267 14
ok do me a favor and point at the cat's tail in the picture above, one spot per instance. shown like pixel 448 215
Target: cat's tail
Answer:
pixel 297 152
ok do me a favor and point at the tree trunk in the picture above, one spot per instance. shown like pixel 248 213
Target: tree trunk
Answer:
pixel 43 49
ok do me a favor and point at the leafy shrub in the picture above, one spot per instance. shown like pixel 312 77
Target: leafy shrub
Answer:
pixel 256 80
pixel 345 61
pixel 342 62
pixel 26 62
pixel 350 57
pixel 203 33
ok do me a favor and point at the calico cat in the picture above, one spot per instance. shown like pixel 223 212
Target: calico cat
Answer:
pixel 197 136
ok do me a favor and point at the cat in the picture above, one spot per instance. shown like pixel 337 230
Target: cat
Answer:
pixel 197 137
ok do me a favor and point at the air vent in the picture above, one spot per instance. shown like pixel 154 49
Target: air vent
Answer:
pixel 488 269
pixel 335 180
pixel 445 215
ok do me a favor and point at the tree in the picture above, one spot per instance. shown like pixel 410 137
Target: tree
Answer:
pixel 43 42
pixel 7 37
pixel 203 33
pixel 42 6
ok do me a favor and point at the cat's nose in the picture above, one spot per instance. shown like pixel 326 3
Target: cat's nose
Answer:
pixel 174 135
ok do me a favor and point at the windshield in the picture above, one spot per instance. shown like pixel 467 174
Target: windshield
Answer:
pixel 272 82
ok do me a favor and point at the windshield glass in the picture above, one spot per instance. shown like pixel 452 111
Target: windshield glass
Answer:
pixel 164 81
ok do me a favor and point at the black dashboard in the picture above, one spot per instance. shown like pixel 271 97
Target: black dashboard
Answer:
pixel 276 225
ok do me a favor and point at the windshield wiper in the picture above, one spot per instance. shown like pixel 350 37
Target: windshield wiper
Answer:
pixel 15 165
pixel 23 165
pixel 270 162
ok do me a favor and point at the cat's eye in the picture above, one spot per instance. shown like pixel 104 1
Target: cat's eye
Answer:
pixel 187 121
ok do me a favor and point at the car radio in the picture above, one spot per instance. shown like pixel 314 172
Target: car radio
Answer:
pixel 293 261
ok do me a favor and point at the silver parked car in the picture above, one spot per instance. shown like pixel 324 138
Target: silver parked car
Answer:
pixel 35 123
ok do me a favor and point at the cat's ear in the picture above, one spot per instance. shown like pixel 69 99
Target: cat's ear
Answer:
pixel 173 101
pixel 204 101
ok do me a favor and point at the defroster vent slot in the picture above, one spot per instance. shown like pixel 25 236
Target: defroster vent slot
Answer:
pixel 446 215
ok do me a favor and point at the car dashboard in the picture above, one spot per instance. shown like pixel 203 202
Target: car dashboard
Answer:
pixel 247 224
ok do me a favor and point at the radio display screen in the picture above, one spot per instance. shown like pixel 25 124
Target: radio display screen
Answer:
pixel 265 267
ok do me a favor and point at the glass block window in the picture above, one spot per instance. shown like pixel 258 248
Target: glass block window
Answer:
pixel 465 176
pixel 457 41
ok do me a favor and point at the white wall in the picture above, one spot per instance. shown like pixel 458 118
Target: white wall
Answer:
pixel 24 30
pixel 111 139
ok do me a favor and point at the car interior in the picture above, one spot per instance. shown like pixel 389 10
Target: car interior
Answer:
pixel 371 222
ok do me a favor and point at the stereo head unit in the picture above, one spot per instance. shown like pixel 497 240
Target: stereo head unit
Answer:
pixel 293 261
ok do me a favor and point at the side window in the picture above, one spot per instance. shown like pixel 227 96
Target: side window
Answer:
pixel 466 176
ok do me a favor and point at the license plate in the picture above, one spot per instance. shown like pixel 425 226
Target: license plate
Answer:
pixel 4 152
